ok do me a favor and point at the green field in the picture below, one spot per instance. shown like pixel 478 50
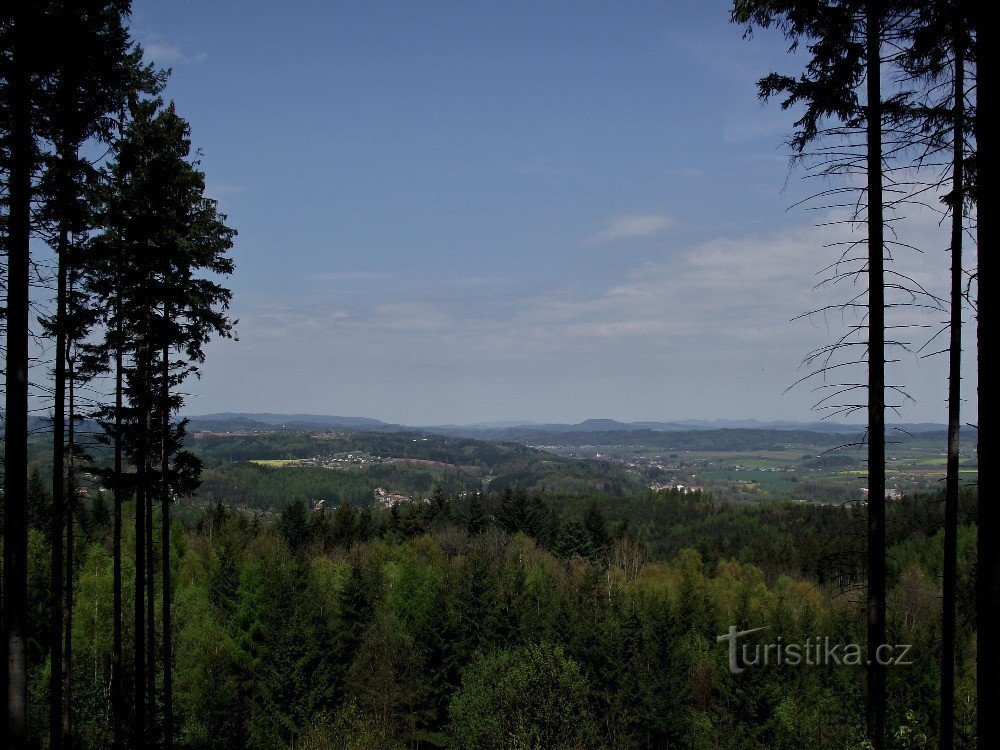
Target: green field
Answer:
pixel 277 462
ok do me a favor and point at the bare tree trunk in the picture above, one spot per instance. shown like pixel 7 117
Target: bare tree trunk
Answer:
pixel 67 152
pixel 59 515
pixel 139 731
pixel 116 650
pixel 950 571
pixel 875 708
pixel 988 565
pixel 145 385
pixel 67 687
pixel 150 570
pixel 15 570
pixel 168 696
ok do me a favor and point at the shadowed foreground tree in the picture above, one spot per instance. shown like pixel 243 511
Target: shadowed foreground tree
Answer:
pixel 940 36
pixel 24 56
pixel 842 83
pixel 172 243
pixel 988 567
pixel 97 67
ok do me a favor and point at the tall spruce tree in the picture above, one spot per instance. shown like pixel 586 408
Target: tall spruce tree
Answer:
pixel 940 41
pixel 97 61
pixel 842 84
pixel 163 249
pixel 20 30
pixel 988 556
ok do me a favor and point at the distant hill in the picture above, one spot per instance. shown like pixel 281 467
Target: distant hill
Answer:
pixel 590 431
pixel 509 430
pixel 246 469
pixel 513 430
pixel 839 427
pixel 697 440
pixel 243 420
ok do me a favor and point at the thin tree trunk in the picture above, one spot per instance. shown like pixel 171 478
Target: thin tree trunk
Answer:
pixel 150 572
pixel 15 571
pixel 67 690
pixel 67 152
pixel 145 384
pixel 168 707
pixel 988 565
pixel 950 572
pixel 118 486
pixel 58 496
pixel 139 731
pixel 875 708
pixel 117 691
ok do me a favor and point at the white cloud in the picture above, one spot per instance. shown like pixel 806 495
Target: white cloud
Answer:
pixel 412 316
pixel 704 329
pixel 169 54
pixel 631 226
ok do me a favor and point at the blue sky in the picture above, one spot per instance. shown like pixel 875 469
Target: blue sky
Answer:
pixel 467 211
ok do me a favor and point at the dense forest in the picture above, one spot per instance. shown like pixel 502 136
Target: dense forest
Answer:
pixel 484 622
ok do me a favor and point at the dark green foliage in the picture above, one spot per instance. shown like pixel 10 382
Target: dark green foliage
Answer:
pixel 345 523
pixel 99 516
pixel 475 517
pixel 574 539
pixel 518 512
pixel 438 507
pixel 597 528
pixel 445 638
pixel 39 503
pixel 293 524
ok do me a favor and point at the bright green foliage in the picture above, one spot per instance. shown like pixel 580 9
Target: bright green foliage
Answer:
pixel 533 697
pixel 452 640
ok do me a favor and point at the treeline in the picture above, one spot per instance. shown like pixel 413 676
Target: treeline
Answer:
pixel 823 542
pixel 819 543
pixel 265 488
pixel 449 624
pixel 98 167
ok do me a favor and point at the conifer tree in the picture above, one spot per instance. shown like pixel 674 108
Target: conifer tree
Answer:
pixel 597 527
pixel 475 518
pixel 163 248
pixel 842 82
pixel 936 58
pixel 22 31
pixel 988 556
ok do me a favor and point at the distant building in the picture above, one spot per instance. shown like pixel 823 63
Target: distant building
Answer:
pixel 387 499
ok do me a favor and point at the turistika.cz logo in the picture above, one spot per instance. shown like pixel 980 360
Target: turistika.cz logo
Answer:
pixel 813 652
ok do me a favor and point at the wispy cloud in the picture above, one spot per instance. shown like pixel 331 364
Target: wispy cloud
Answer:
pixel 349 275
pixel 631 226
pixel 709 324
pixel 727 291
pixel 170 54
pixel 412 316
